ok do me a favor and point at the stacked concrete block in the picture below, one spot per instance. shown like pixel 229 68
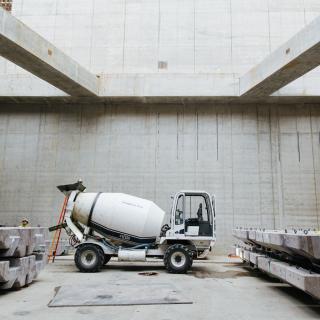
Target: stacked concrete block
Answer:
pixel 253 257
pixel 23 254
pixel 241 234
pixel 264 264
pixel 298 277
pixel 302 243
pixel 19 242
pixel 265 249
pixel 307 244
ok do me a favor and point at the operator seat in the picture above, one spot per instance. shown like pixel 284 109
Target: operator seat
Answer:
pixel 199 213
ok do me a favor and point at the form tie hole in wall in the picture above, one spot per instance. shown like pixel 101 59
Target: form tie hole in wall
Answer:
pixel 162 65
pixel 49 52
pixel 288 51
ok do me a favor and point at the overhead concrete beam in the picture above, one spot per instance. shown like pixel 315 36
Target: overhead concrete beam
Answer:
pixel 292 60
pixel 26 48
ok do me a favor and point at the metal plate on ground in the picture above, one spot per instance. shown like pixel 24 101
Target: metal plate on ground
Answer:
pixel 117 295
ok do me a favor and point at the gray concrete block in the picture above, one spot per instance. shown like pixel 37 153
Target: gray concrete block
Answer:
pixel 18 272
pixel 264 263
pixel 252 235
pixel 307 245
pixel 241 234
pixel 239 252
pixel 274 238
pixel 300 278
pixel 304 280
pixel 19 242
pixel 246 255
pixel 253 257
pixel 23 253
pixel 302 243
pixel 278 269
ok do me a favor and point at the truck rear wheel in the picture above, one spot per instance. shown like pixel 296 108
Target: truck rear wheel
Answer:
pixel 89 258
pixel 178 259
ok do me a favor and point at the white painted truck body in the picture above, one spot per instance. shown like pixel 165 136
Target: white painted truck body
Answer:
pixel 118 215
pixel 131 228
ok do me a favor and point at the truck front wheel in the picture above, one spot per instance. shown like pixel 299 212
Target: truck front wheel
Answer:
pixel 89 258
pixel 178 259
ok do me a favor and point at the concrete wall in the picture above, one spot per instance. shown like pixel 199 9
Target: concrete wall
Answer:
pixel 224 38
pixel 201 36
pixel 262 162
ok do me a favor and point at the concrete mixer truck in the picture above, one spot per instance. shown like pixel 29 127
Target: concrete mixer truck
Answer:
pixel 105 225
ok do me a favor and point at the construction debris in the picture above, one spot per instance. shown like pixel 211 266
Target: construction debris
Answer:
pixel 292 256
pixel 23 254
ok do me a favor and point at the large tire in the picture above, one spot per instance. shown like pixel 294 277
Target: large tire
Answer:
pixel 106 259
pixel 178 259
pixel 89 258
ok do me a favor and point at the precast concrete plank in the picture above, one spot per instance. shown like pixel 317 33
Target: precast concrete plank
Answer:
pixel 264 263
pixel 116 294
pixel 252 235
pixel 278 269
pixel 274 238
pixel 239 252
pixel 253 256
pixel 312 245
pixel 298 277
pixel 9 237
pixel 304 280
pixel 246 255
pixel 19 242
pixel 18 272
pixel 241 234
pixel 302 243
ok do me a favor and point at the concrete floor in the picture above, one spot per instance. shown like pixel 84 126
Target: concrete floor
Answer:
pixel 220 289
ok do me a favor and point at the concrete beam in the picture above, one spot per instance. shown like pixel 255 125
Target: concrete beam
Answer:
pixel 302 243
pixel 26 48
pixel 292 60
pixel 298 277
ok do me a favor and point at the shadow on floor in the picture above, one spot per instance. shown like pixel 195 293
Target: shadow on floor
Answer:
pixel 300 299
pixel 136 268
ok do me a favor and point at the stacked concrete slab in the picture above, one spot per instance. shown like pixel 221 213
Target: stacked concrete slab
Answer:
pixel 23 254
pixel 292 256
pixel 303 243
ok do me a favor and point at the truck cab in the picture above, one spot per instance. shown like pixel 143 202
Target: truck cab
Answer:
pixel 192 220
pixel 192 214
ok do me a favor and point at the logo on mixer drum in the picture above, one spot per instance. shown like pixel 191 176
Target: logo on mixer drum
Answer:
pixel 124 237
